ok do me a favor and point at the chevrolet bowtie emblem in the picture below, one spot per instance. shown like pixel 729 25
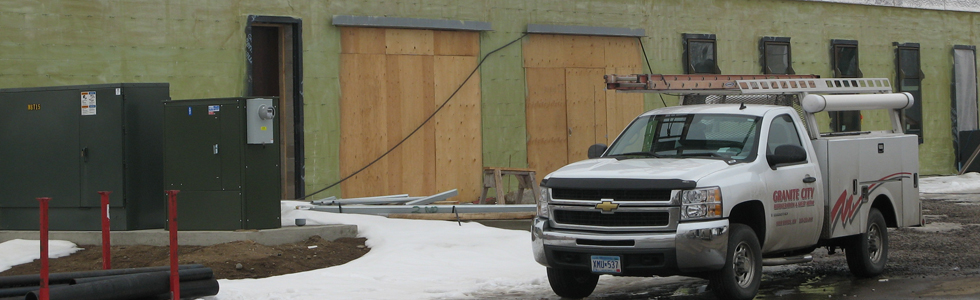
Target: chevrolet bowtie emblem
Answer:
pixel 607 206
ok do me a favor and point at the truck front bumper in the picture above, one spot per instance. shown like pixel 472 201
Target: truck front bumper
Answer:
pixel 694 247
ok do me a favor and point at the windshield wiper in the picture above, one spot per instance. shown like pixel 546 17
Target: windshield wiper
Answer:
pixel 646 154
pixel 710 154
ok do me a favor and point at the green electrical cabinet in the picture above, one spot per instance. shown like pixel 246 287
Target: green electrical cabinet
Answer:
pixel 70 142
pixel 223 157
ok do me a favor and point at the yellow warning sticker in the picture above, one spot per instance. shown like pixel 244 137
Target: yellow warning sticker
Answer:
pixel 263 128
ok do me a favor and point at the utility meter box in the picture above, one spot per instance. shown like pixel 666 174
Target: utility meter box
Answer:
pixel 69 142
pixel 223 155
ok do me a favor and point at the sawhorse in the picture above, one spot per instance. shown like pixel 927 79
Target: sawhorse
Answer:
pixel 493 178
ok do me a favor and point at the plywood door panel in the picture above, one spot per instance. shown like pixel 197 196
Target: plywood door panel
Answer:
pixel 623 53
pixel 410 94
pixel 583 89
pixel 363 137
pixel 545 51
pixel 362 40
pixel 621 108
pixel 409 41
pixel 459 158
pixel 585 52
pixel 456 43
pixel 547 137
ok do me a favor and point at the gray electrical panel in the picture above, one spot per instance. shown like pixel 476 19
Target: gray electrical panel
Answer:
pixel 70 142
pixel 259 117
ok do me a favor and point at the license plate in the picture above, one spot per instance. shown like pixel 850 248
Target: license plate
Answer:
pixel 606 264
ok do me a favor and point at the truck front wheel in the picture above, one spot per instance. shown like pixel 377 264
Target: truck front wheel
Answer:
pixel 867 253
pixel 572 283
pixel 740 277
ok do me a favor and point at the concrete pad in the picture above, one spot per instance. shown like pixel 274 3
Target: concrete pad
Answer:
pixel 160 237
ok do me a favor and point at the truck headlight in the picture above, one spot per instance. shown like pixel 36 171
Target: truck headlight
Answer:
pixel 703 203
pixel 543 200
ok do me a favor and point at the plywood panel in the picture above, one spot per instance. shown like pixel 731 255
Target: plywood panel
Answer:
pixel 623 53
pixel 621 108
pixel 457 43
pixel 545 51
pixel 363 138
pixel 410 94
pixel 459 160
pixel 585 51
pixel 362 40
pixel 583 89
pixel 409 41
pixel 547 137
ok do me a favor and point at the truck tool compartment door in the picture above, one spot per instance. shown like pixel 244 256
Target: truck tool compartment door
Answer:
pixel 793 197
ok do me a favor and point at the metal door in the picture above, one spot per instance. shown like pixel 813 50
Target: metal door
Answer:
pixel 39 154
pixel 100 146
pixel 194 164
pixel 795 197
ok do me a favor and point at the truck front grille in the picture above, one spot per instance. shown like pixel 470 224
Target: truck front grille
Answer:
pixel 618 219
pixel 618 195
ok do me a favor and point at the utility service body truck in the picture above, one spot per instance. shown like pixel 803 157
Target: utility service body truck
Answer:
pixel 720 188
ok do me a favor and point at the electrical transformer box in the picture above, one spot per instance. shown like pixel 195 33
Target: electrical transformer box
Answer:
pixel 70 142
pixel 223 156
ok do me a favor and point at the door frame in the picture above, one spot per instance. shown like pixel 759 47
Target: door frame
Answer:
pixel 296 25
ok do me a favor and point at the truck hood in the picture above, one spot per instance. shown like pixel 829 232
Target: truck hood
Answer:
pixel 641 168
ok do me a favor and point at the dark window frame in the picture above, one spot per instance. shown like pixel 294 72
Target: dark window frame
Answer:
pixel 901 80
pixel 839 120
pixel 764 45
pixel 700 38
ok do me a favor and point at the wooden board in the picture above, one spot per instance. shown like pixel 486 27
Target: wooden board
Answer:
pixel 362 40
pixel 410 93
pixel 409 41
pixel 585 52
pixel 582 88
pixel 623 53
pixel 362 138
pixel 456 43
pixel 545 51
pixel 547 133
pixel 621 108
pixel 459 151
pixel 465 216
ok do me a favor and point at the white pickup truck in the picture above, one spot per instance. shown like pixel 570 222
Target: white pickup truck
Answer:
pixel 718 190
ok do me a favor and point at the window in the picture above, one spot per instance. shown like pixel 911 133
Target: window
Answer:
pixel 910 80
pixel 713 136
pixel 844 60
pixel 700 54
pixel 776 55
pixel 782 131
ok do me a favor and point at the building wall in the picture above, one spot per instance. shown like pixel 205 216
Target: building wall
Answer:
pixel 198 46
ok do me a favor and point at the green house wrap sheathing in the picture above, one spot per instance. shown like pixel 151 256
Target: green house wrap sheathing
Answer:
pixel 199 48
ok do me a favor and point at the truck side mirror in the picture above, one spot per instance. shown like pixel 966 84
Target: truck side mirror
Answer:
pixel 597 150
pixel 786 154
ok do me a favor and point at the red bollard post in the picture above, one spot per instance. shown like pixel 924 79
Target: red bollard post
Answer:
pixel 106 255
pixel 174 270
pixel 43 212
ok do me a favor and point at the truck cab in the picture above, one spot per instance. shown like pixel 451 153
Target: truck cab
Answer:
pixel 716 190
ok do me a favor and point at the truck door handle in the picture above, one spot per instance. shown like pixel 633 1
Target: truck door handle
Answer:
pixel 809 179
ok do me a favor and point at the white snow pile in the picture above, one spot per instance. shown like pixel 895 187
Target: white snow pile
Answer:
pixel 409 259
pixel 966 183
pixel 15 252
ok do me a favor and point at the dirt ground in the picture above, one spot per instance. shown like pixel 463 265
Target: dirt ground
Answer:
pixel 949 246
pixel 236 260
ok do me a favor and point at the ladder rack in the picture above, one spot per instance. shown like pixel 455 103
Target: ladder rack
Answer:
pixel 744 84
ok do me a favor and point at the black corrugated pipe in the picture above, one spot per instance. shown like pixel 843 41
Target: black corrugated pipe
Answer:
pixel 132 286
pixel 19 292
pixel 66 278
pixel 185 275
pixel 191 289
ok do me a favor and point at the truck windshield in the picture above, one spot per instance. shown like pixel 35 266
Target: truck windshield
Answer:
pixel 721 136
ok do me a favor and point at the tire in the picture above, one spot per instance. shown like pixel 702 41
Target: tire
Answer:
pixel 573 284
pixel 740 277
pixel 867 253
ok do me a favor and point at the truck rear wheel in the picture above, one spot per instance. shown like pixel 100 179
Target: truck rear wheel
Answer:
pixel 572 283
pixel 740 277
pixel 867 253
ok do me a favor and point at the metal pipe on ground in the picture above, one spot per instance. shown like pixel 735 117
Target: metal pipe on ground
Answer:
pixel 406 209
pixel 437 197
pixel 66 278
pixel 128 287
